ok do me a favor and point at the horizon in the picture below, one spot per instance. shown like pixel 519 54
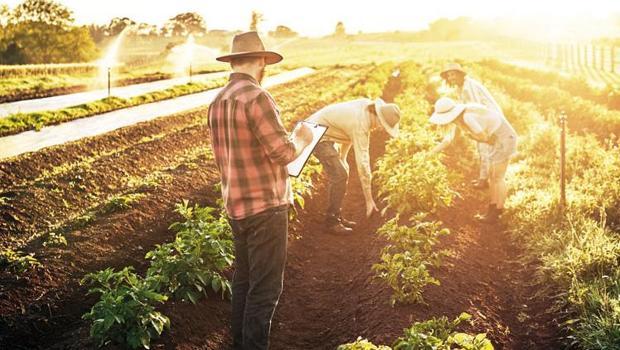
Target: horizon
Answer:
pixel 313 20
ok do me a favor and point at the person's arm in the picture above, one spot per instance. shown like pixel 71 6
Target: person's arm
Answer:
pixel 361 146
pixel 446 141
pixel 264 120
pixel 476 131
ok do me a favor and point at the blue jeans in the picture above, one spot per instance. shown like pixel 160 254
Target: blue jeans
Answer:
pixel 337 178
pixel 260 256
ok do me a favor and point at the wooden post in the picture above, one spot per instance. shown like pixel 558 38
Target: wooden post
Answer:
pixel 593 65
pixel 109 83
pixel 563 161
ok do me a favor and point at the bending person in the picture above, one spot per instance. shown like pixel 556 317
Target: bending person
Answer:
pixel 349 125
pixel 484 126
pixel 472 91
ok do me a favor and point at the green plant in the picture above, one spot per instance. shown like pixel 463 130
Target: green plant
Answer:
pixel 434 334
pixel 406 258
pixel 362 344
pixel 17 261
pixel 120 202
pixel 194 261
pixel 125 313
pixel 440 334
pixel 55 240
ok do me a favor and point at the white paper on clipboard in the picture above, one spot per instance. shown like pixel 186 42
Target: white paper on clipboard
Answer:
pixel 295 167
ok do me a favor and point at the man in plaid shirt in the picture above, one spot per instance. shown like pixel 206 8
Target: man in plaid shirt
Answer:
pixel 252 149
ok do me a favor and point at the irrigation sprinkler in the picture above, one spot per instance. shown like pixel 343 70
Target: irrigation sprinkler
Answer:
pixel 563 161
pixel 109 82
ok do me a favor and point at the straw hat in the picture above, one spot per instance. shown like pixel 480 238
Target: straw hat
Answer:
pixel 446 110
pixel 388 115
pixel 249 44
pixel 451 67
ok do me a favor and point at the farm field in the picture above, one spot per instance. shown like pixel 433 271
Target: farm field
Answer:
pixel 114 233
pixel 109 200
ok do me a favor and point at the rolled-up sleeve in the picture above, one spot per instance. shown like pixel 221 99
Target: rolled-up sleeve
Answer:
pixel 264 120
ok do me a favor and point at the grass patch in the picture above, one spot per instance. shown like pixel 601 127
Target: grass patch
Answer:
pixel 20 122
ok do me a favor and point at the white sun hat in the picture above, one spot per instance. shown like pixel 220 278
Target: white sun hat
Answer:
pixel 446 110
pixel 388 115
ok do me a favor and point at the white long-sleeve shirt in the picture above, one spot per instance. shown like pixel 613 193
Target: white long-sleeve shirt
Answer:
pixel 349 125
pixel 472 92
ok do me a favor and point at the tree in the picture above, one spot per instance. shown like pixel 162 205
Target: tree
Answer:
pixel 283 32
pixel 42 31
pixel 43 11
pixel 118 24
pixel 146 30
pixel 340 30
pixel 97 32
pixel 257 18
pixel 186 23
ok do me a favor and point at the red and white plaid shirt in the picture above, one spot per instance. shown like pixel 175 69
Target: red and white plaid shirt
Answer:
pixel 251 148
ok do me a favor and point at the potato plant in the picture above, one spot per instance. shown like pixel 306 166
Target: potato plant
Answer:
pixel 193 263
pixel 406 259
pixel 125 312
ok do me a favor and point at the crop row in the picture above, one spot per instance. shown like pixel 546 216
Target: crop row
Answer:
pixel 577 247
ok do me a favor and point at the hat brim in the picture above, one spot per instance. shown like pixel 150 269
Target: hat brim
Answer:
pixel 391 130
pixel 445 72
pixel 270 56
pixel 447 117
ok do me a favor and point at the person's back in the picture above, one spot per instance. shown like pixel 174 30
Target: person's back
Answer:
pixel 240 155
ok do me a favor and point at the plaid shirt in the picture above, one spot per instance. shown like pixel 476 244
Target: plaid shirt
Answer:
pixel 251 148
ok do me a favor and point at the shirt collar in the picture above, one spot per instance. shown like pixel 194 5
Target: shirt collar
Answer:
pixel 242 76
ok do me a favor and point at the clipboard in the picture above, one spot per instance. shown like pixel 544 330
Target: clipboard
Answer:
pixel 296 166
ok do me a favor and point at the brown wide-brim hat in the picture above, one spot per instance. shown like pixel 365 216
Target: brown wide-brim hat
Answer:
pixel 450 68
pixel 388 115
pixel 249 44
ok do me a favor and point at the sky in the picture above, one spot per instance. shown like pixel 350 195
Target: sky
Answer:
pixel 319 17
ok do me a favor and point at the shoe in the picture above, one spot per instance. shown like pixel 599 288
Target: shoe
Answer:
pixel 491 217
pixel 347 223
pixel 480 184
pixel 339 228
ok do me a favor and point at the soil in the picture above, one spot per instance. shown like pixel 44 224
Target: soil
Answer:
pixel 330 294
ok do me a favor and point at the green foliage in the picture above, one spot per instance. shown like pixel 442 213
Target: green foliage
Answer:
pixel 55 240
pixel 408 256
pixel 120 202
pixel 578 251
pixel 42 31
pixel 440 334
pixel 21 122
pixel 362 344
pixel 194 261
pixel 434 334
pixel 125 313
pixel 17 261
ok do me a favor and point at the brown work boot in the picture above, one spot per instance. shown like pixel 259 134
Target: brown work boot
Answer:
pixel 347 223
pixel 480 184
pixel 339 228
pixel 491 217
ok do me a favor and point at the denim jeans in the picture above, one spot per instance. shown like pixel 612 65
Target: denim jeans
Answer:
pixel 260 256
pixel 337 178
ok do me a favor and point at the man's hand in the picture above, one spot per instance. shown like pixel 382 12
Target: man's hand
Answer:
pixel 371 208
pixel 303 135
